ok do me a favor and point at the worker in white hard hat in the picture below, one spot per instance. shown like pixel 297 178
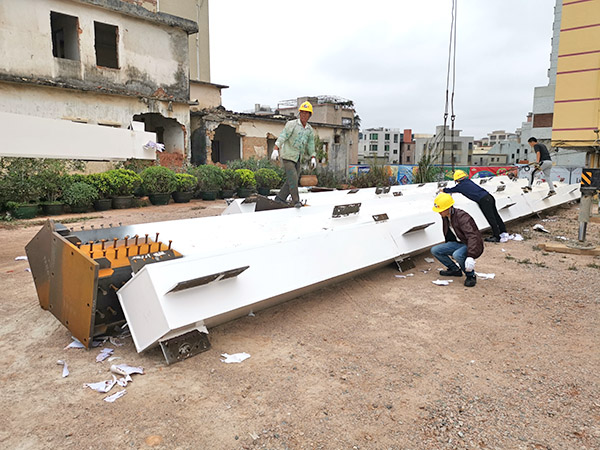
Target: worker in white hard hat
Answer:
pixel 486 202
pixel 463 241
pixel 296 140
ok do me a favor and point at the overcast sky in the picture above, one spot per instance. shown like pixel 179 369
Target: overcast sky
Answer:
pixel 389 57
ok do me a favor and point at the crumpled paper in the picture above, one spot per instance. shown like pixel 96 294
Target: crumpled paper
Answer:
pixel 538 227
pixel 112 398
pixel 442 282
pixel 104 353
pixel 512 237
pixel 102 386
pixel 486 276
pixel 65 371
pixel 235 358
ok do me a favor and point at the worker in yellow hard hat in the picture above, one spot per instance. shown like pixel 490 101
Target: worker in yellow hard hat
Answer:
pixel 486 202
pixel 296 139
pixel 463 241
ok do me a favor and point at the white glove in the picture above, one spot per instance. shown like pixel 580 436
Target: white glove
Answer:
pixel 469 264
pixel 313 163
pixel 275 155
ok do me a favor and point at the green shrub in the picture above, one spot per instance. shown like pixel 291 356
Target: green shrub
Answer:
pixel 245 178
pixel 158 180
pixel 122 182
pixel 330 179
pixel 186 182
pixel 80 195
pixel 51 178
pixel 101 182
pixel 377 176
pixel 210 177
pixel 267 178
pixel 17 180
pixel 136 165
pixel 229 182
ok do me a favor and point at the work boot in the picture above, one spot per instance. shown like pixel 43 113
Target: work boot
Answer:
pixel 278 200
pixel 451 273
pixel 526 189
pixel 297 205
pixel 492 239
pixel 470 281
pixel 551 193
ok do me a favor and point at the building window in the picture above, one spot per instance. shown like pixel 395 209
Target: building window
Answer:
pixel 395 151
pixel 374 136
pixel 373 147
pixel 387 136
pixel 517 151
pixel 65 36
pixel 386 147
pixel 346 121
pixel 106 45
pixel 513 156
pixel 395 138
pixel 470 146
pixel 408 159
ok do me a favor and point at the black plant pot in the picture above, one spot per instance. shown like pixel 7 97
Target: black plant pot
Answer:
pixel 182 197
pixel 209 195
pixel 122 201
pixel 53 209
pixel 227 193
pixel 102 204
pixel 244 192
pixel 159 198
pixel 25 211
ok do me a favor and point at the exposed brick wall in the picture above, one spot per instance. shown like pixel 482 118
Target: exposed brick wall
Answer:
pixel 171 160
pixel 542 120
pixel 254 147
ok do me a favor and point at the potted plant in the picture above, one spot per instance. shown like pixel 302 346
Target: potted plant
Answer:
pixel 246 182
pixel 19 189
pixel 159 182
pixel 210 180
pixel 122 184
pixel 52 179
pixel 229 185
pixel 79 196
pixel 185 187
pixel 266 179
pixel 101 182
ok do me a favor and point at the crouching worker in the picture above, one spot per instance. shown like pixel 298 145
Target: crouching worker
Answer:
pixel 463 241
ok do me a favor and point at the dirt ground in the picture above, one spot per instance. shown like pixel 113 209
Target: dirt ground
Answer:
pixel 376 362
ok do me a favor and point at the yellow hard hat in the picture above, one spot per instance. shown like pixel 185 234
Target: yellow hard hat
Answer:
pixel 306 106
pixel 458 174
pixel 442 202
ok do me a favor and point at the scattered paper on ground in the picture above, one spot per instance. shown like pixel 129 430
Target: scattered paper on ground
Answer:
pixel 75 344
pixel 404 276
pixel 112 398
pixel 429 260
pixel 235 358
pixel 561 238
pixel 538 227
pixel 124 369
pixel 442 282
pixel 65 372
pixel 486 276
pixel 21 258
pixel 102 386
pixel 104 353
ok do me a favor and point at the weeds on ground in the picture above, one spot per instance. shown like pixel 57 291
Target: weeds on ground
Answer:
pixel 593 266
pixel 573 267
pixel 536 248
pixel 510 258
pixel 540 264
pixel 524 261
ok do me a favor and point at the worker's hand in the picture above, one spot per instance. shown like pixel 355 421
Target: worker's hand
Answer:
pixel 469 264
pixel 275 155
pixel 313 163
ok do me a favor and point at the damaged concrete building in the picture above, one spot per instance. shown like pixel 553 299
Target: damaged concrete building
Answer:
pixel 220 136
pixel 109 74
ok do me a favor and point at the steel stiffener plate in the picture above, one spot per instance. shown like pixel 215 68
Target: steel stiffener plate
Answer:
pixel 345 210
pixel 184 346
pixel 188 284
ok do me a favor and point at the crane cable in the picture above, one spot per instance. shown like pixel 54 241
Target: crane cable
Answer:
pixel 451 69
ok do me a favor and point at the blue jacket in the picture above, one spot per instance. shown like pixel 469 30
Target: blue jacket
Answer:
pixel 469 189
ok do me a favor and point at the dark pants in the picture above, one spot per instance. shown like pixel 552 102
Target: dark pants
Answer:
pixel 292 175
pixel 488 208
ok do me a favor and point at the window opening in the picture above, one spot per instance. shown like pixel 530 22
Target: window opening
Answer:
pixel 65 36
pixel 106 45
